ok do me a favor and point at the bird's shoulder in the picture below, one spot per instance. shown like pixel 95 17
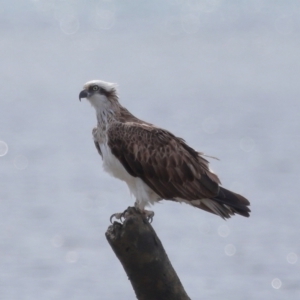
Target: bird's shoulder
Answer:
pixel 141 132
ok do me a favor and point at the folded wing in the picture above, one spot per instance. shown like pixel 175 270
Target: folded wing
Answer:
pixel 163 161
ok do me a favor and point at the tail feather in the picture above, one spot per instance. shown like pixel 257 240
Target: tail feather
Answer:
pixel 235 202
pixel 216 208
pixel 225 204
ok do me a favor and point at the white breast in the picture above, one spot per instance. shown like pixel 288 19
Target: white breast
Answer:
pixel 142 192
pixel 112 165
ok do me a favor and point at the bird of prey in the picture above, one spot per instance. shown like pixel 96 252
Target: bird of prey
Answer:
pixel 154 163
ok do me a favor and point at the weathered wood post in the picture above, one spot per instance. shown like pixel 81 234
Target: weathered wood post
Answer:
pixel 144 259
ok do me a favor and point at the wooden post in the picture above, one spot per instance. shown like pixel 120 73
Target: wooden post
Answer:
pixel 144 259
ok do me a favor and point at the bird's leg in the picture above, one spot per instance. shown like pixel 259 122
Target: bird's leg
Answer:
pixel 149 214
pixel 122 216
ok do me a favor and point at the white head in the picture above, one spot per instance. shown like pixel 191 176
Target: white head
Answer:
pixel 102 95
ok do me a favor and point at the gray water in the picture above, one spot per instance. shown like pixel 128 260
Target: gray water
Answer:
pixel 224 75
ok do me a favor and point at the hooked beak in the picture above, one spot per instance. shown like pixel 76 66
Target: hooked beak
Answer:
pixel 83 94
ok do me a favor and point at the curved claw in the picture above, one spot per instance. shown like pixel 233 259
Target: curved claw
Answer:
pixel 111 217
pixel 118 216
pixel 122 217
pixel 150 219
pixel 149 215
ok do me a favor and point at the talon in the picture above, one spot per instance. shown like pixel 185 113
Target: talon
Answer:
pixel 122 217
pixel 149 215
pixel 111 217
pixel 118 216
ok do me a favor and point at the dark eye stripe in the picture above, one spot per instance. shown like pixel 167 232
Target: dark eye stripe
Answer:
pixel 104 92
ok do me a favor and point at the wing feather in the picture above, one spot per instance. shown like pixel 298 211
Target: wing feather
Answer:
pixel 163 161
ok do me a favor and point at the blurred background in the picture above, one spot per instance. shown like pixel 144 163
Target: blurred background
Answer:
pixel 224 75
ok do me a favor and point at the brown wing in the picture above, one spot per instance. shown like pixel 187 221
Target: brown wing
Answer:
pixel 164 162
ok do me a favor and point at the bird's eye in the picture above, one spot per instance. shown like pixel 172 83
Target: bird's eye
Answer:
pixel 95 88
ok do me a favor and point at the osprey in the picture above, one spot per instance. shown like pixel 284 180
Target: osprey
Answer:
pixel 153 162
